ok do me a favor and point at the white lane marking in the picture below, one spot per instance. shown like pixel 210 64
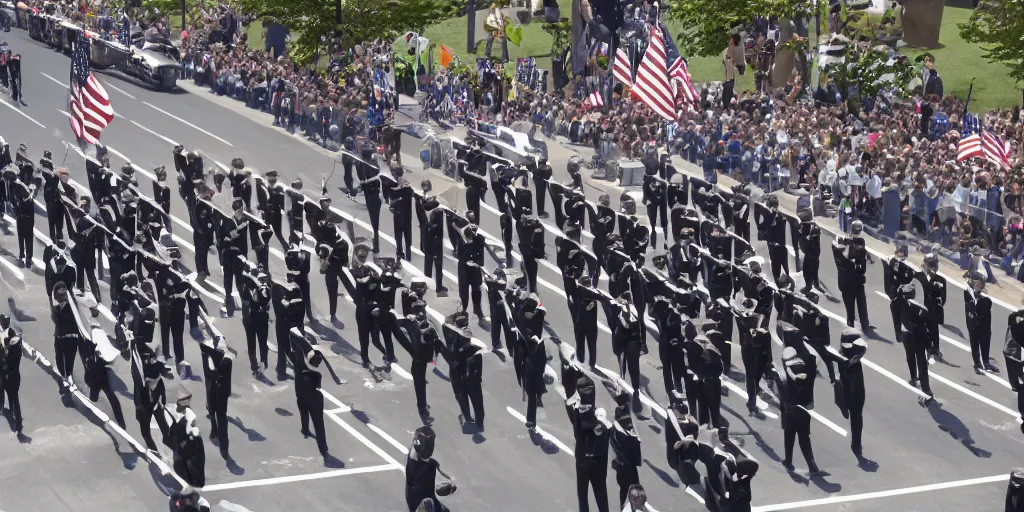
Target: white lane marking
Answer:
pixel 761 404
pixel 974 395
pixel 119 90
pixel 153 459
pixel 366 442
pixel 960 345
pixel 172 116
pixel 338 410
pixel 401 372
pixel 13 269
pixel 387 437
pixel 65 86
pixel 541 432
pixel 167 140
pixel 882 494
pixel 26 116
pixel 338 404
pixel 629 389
pixel 300 478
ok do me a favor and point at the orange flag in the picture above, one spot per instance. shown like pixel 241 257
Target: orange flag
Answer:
pixel 446 56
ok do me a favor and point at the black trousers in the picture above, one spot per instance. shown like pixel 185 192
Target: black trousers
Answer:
pixel 532 399
pixel 104 385
pixel 386 325
pixel 433 263
pixel 257 328
pixel 303 283
pixel 542 194
pixel 284 344
pixel 980 337
pixel 586 334
pixel 917 359
pixel 87 270
pixel 530 269
pixel 652 214
pixel 629 361
pixel 592 473
pixel 505 221
pixel 811 266
pixel 499 196
pixel 172 325
pixel 368 329
pixel 273 219
pixel 779 257
pixel 626 475
pixel 217 408
pixel 64 351
pixel 798 425
pixel 373 208
pixel 466 290
pixel 896 310
pixel 755 362
pixel 403 236
pixel 232 274
pixel 474 196
pixel 145 418
pixel 498 324
pixel 203 244
pixel 856 427
pixel 673 367
pixel 331 281
pixel 311 407
pixel 55 217
pixel 9 387
pixel 854 294
pixel 25 244
pixel 418 369
pixel 709 406
pixel 472 395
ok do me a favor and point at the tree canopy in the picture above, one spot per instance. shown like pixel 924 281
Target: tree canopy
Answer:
pixel 311 20
pixel 707 24
pixel 998 27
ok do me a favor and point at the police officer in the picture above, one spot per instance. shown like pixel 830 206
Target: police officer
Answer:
pixel 471 260
pixel 256 316
pixel 914 337
pixel 897 273
pixel 217 365
pixel 289 308
pixel 771 227
pixel 270 201
pixel 18 198
pixel 796 391
pixel 979 322
pixel 10 370
pixel 934 287
pixel 233 242
pixel 333 250
pixel 851 264
pixel 850 397
pixel 423 343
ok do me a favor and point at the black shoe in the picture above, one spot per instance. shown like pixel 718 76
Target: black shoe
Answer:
pixel 857 450
pixel 442 291
pixel 979 370
pixel 530 425
pixel 306 433
pixel 23 103
pixel 992 368
pixel 543 215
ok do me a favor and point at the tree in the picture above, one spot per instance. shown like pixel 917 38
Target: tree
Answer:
pixel 998 27
pixel 707 24
pixel 869 71
pixel 314 20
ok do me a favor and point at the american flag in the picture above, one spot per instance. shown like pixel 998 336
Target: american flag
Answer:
pixel 971 125
pixel 595 100
pixel 90 105
pixel 680 77
pixel 985 145
pixel 622 69
pixel 652 86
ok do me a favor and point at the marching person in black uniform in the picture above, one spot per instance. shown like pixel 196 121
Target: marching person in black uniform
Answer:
pixel 602 224
pixel 401 206
pixel 233 242
pixel 796 391
pixel 897 273
pixel 241 187
pixel 297 207
pixel 205 222
pixel 432 224
pixel 850 392
pixel 497 285
pixel 270 201
pixel 934 287
pixel 173 294
pixel 66 337
pixel 150 392
pixel 626 340
pixel 217 365
pixel 14 74
pixel 851 263
pixel 183 437
pixel 1015 491
pixel 421 474
pixel 914 337
pixel 53 190
pixel 413 298
pixel 1014 356
pixel 385 296
pixel 162 193
pixel 471 259
pixel 771 227
pixel 256 317
pixel 741 214
pixel 625 444
pixel 10 371
pixel 469 370
pixel 810 245
pixel 979 322
pixel 371 188
pixel 476 188
pixel 18 197
pixel 297 262
pixel 533 377
pixel 587 301
pixel 367 281
pixel 592 432
pixel 289 308
pixel 755 351
pixel 333 250
pixel 531 245
pixel 420 338
pixel 655 198
pixel 541 176
pixel 88 235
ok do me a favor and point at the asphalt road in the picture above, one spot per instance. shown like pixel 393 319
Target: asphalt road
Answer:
pixel 951 456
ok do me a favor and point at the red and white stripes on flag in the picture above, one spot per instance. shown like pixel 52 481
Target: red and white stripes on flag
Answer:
pixel 595 100
pixel 622 70
pixel 90 110
pixel 985 145
pixel 680 77
pixel 652 86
